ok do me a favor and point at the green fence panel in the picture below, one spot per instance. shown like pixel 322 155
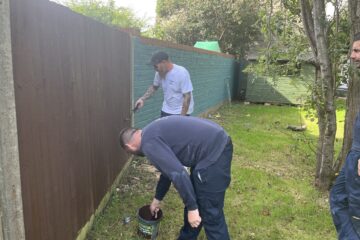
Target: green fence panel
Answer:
pixel 212 77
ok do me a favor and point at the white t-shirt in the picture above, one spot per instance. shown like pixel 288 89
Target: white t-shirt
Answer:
pixel 177 82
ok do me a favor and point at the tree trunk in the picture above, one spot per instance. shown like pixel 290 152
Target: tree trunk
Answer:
pixel 315 26
pixel 353 96
pixel 308 23
pixel 317 99
pixel 327 153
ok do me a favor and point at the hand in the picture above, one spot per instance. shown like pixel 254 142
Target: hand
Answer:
pixel 194 218
pixel 139 104
pixel 155 207
pixel 358 167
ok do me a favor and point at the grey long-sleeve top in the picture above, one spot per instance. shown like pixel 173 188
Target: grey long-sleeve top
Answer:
pixel 170 143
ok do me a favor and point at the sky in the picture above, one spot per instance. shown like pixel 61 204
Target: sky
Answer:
pixel 141 8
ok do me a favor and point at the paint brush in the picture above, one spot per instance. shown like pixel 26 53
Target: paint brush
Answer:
pixel 136 108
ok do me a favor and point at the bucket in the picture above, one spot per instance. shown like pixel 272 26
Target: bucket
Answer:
pixel 148 224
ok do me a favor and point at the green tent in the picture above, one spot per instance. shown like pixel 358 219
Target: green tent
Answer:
pixel 208 45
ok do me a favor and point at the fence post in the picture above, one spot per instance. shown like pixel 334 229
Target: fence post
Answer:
pixel 11 210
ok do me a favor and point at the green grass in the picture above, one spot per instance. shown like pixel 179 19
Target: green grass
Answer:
pixel 271 195
pixel 340 116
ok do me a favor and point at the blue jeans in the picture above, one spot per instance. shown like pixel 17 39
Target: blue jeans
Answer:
pixel 345 199
pixel 210 190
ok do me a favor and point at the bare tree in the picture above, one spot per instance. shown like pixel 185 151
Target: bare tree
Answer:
pixel 353 96
pixel 315 25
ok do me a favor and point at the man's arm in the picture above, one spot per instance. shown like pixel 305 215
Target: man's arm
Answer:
pixel 149 92
pixel 172 170
pixel 164 159
pixel 186 103
pixel 162 188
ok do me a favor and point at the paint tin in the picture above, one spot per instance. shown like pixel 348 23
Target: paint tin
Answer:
pixel 148 224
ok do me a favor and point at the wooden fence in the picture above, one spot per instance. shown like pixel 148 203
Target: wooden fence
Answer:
pixel 72 80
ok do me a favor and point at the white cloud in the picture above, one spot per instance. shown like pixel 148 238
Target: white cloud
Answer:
pixel 142 8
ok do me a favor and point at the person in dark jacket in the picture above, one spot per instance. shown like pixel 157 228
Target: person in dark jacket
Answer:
pixel 345 193
pixel 172 142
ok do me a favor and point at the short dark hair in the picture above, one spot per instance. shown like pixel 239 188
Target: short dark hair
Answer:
pixel 158 57
pixel 125 135
pixel 356 37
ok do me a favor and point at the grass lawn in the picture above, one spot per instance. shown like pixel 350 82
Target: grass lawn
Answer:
pixel 271 195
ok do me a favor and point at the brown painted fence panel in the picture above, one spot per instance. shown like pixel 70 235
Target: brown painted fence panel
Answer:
pixel 72 85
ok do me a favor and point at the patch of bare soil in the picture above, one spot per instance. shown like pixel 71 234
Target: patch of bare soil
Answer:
pixel 139 176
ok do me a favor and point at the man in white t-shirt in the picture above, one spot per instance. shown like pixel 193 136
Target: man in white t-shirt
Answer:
pixel 176 84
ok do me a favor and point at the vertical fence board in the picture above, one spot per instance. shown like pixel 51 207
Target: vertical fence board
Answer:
pixel 72 89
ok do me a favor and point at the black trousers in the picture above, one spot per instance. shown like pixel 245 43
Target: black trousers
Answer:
pixel 165 114
pixel 210 185
pixel 345 199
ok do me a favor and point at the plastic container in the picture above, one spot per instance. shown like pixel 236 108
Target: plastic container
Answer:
pixel 148 224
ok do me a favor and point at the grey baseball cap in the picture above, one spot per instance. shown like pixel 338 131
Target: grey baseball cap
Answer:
pixel 157 57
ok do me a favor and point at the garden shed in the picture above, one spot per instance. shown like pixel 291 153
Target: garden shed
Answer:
pixel 291 88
